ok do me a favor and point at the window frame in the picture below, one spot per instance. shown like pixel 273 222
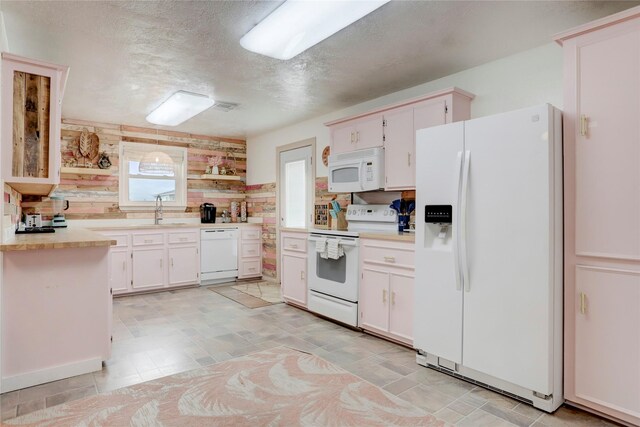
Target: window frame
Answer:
pixel 180 204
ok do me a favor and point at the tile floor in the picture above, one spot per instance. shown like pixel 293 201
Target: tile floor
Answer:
pixel 165 333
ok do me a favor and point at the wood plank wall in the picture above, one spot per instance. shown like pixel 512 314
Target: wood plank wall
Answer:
pixel 96 196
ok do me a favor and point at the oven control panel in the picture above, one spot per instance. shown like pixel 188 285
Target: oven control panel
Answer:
pixel 371 213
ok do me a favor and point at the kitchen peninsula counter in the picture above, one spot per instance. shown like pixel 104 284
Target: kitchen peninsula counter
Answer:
pixel 63 238
pixel 56 306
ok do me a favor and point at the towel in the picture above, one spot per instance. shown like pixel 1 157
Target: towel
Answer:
pixel 334 249
pixel 321 247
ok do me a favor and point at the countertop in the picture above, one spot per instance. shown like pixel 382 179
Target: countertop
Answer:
pixel 63 238
pixel 174 225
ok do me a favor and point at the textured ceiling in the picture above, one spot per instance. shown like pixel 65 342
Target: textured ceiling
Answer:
pixel 127 56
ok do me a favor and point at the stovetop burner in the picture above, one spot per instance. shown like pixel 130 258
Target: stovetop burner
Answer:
pixel 36 230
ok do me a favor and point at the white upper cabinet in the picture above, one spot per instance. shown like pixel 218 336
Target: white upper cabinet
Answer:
pixel 394 127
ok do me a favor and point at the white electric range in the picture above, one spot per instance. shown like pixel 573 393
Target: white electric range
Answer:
pixel 333 283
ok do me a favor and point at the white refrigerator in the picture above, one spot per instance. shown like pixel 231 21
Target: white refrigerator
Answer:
pixel 488 287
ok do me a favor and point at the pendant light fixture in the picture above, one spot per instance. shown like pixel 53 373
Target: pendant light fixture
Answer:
pixel 297 25
pixel 156 163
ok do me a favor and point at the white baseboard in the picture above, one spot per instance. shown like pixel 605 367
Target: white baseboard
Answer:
pixel 30 379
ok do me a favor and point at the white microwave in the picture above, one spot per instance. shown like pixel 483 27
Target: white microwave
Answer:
pixel 361 170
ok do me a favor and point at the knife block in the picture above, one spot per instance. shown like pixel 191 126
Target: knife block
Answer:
pixel 338 223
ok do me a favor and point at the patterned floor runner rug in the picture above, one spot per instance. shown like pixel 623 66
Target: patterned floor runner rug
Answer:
pixel 277 387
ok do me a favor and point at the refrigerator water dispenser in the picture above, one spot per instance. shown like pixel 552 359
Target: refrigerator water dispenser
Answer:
pixel 440 215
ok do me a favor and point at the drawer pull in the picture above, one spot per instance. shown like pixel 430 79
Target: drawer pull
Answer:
pixel 183 239
pixel 390 259
pixel 252 269
pixel 148 240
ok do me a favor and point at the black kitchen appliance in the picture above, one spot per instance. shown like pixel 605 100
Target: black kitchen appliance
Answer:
pixel 207 213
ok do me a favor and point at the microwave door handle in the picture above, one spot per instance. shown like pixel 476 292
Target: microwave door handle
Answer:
pixel 360 172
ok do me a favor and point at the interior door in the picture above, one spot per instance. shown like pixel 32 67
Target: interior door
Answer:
pixel 437 308
pixel 509 247
pixel 296 187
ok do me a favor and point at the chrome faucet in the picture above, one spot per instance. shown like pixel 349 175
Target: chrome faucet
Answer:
pixel 158 213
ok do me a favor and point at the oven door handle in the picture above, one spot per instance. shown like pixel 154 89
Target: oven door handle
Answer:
pixel 342 242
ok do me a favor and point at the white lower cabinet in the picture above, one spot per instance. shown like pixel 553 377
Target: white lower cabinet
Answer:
pixel 250 252
pixel 153 259
pixel 148 268
pixel 293 267
pixel 183 265
pixel 386 288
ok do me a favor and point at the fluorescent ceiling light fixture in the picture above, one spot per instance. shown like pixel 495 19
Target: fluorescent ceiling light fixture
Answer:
pixel 297 25
pixel 179 108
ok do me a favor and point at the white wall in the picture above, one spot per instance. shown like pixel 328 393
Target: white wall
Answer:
pixel 521 80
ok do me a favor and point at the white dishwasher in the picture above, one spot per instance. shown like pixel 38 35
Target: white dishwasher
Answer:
pixel 218 255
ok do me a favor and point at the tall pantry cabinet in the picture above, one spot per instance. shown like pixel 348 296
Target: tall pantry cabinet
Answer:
pixel 602 215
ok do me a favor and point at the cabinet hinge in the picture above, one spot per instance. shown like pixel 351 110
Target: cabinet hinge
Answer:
pixel 111 338
pixel 131 282
pixel 446 109
pixel 384 123
pixel 384 138
pixel 197 274
pixel 131 255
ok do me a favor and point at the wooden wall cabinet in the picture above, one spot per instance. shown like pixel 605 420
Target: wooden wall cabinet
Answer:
pixel 602 215
pixel 293 267
pixel 386 288
pixel 250 252
pixel 32 94
pixel 394 127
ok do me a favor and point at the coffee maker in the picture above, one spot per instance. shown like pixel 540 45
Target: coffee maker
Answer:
pixel 207 213
pixel 58 205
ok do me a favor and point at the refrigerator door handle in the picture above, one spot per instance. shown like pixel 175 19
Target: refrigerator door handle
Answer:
pixel 463 221
pixel 454 232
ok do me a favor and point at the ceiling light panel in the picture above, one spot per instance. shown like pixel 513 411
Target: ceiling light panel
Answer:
pixel 297 25
pixel 179 107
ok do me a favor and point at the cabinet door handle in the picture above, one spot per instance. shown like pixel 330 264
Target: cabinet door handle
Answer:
pixel 393 298
pixel 583 303
pixel 357 136
pixel 171 262
pixel 384 296
pixel 390 259
pixel 160 262
pixel 301 275
pixel 584 125
pixel 352 137
pixel 124 265
pixel 408 159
